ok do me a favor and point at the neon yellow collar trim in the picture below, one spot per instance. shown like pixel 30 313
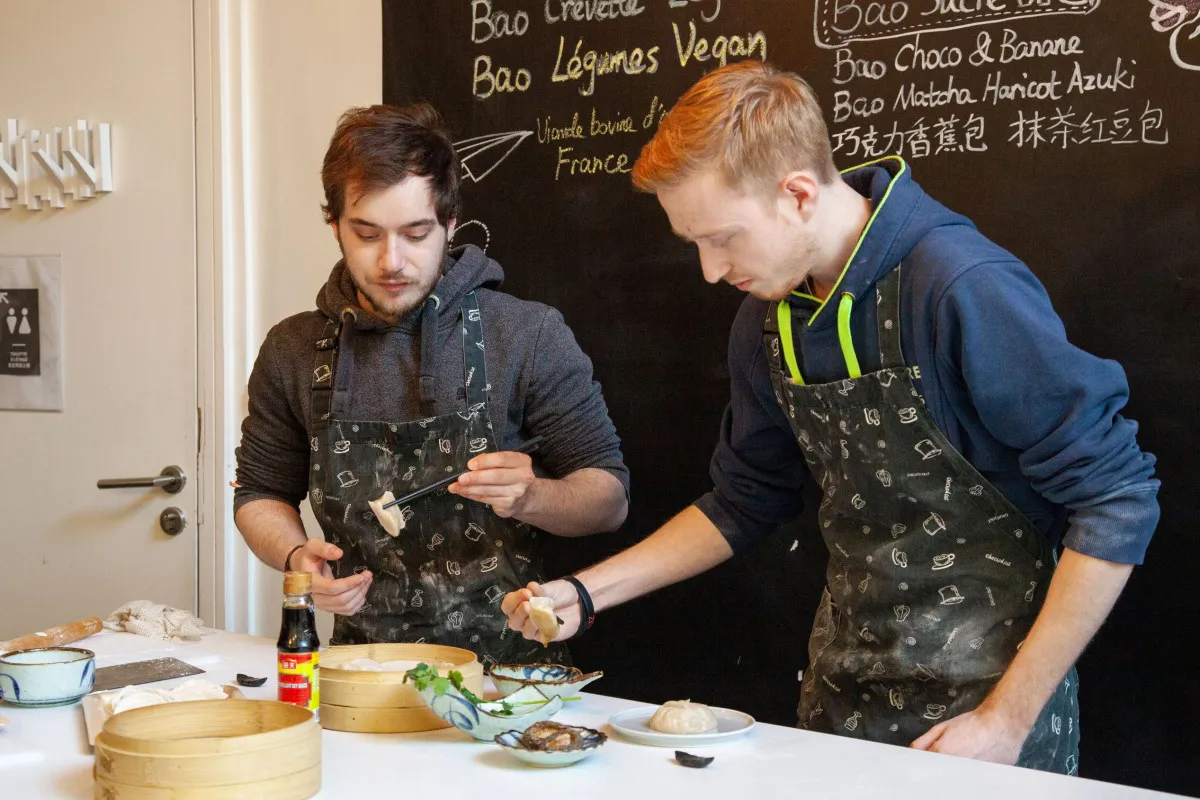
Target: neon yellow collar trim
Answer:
pixel 845 301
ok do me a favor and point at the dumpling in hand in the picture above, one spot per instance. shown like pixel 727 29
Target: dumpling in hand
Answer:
pixel 541 611
pixel 683 716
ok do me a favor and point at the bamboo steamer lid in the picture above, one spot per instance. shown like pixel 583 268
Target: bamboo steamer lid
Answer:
pixel 381 702
pixel 208 749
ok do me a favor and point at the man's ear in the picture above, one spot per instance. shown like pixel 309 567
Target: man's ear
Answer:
pixel 800 190
pixel 450 226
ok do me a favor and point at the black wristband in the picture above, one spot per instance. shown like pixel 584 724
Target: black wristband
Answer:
pixel 287 562
pixel 588 616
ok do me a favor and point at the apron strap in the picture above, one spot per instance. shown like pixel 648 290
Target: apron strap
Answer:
pixel 887 294
pixel 474 362
pixel 333 366
pixel 428 366
pixel 322 383
pixel 343 370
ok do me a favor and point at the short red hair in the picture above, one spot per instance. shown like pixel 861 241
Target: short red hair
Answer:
pixel 754 122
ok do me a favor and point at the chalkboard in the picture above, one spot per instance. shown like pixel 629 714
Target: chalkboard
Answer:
pixel 1066 129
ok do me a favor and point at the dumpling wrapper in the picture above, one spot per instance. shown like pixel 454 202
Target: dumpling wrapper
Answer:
pixel 683 717
pixel 541 611
pixel 196 689
pixel 391 519
pixel 136 699
pixel 132 697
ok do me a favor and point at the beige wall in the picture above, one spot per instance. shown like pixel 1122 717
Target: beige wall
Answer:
pixel 308 61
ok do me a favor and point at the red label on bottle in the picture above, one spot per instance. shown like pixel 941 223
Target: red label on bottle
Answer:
pixel 298 679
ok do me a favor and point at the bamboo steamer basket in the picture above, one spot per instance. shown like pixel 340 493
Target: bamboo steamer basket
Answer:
pixel 205 749
pixel 381 702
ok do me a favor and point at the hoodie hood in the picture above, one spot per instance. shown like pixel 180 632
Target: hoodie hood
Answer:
pixel 902 214
pixel 466 268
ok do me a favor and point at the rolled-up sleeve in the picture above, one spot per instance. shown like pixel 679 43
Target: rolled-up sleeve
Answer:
pixel 757 469
pixel 272 460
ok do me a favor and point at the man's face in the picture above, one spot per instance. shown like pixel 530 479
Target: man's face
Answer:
pixel 393 245
pixel 755 240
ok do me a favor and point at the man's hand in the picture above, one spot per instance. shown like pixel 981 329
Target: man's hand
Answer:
pixel 984 734
pixel 501 480
pixel 344 596
pixel 566 607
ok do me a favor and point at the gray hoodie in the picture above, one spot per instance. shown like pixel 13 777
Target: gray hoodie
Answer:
pixel 541 382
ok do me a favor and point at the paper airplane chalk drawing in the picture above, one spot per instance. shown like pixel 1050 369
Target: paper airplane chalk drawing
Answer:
pixel 482 154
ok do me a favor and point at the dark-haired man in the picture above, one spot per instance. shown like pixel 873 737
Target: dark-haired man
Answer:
pixel 414 367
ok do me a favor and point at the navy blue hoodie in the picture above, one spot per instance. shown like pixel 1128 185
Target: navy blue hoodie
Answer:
pixel 1037 416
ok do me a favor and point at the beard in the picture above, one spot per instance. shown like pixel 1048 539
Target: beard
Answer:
pixel 392 307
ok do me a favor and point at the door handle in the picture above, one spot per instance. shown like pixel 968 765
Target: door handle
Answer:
pixel 171 481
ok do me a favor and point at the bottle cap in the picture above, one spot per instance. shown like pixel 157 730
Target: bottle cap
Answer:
pixel 297 582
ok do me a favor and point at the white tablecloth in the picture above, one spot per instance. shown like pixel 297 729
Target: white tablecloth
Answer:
pixel 44 754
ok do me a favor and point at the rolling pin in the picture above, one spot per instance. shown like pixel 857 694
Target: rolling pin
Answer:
pixel 53 637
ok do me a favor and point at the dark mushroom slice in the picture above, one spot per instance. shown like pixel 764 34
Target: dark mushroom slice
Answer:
pixel 689 760
pixel 246 680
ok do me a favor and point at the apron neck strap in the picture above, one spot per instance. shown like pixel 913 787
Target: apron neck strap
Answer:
pixel 887 293
pixel 333 367
pixel 428 366
pixel 474 362
pixel 322 382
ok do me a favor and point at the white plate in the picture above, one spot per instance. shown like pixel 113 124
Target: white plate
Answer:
pixel 631 724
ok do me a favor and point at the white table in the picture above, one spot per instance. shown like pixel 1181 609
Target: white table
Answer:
pixel 44 754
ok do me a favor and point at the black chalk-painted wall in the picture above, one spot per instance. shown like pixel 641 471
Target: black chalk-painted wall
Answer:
pixel 1068 130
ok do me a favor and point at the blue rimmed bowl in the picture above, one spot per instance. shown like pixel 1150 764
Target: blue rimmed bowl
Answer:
pixel 552 680
pixel 47 676
pixel 487 720
pixel 519 745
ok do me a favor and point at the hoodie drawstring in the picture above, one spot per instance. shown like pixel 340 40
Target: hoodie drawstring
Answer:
pixel 784 317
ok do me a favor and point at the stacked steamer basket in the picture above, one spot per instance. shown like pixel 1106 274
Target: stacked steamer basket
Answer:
pixel 208 749
pixel 381 702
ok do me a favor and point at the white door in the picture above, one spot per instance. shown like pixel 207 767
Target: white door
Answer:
pixel 68 549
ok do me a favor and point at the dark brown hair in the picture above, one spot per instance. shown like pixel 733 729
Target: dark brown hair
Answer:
pixel 375 147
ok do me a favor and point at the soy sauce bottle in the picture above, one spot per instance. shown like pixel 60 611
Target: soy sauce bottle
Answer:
pixel 299 667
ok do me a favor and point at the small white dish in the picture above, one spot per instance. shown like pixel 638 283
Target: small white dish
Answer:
pixel 487 720
pixel 512 742
pixel 46 676
pixel 631 724
pixel 552 680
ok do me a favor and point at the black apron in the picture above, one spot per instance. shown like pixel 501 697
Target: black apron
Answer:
pixel 934 577
pixel 442 579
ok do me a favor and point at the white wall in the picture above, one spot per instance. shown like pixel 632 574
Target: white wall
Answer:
pixel 305 62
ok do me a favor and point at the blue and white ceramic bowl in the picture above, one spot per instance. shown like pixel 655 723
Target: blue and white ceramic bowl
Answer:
pixel 48 676
pixel 485 722
pixel 552 680
pixel 514 744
